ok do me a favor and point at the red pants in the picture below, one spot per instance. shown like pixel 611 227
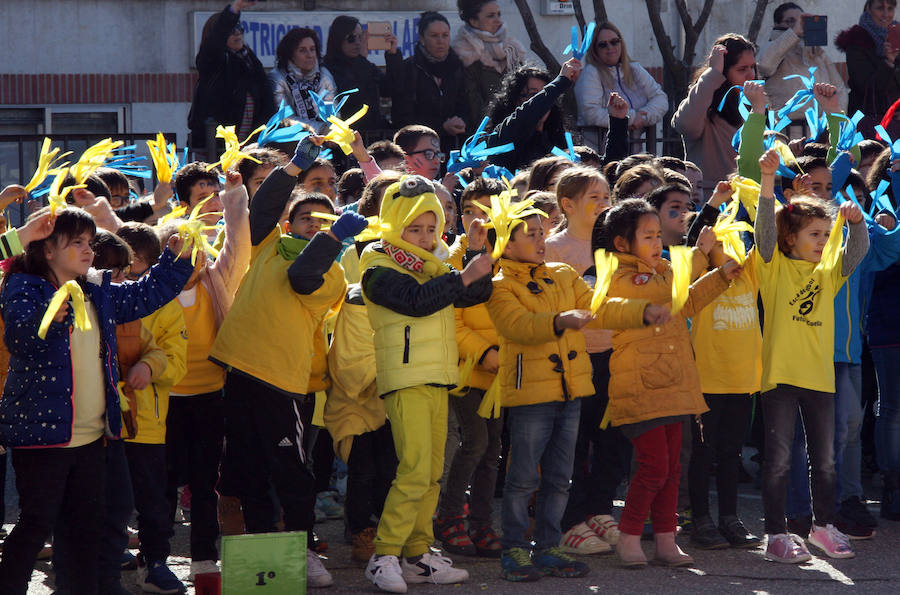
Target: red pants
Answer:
pixel 654 487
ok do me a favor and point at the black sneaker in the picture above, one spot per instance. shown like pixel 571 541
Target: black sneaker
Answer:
pixel 705 535
pixel 733 530
pixel 800 525
pixel 855 510
pixel 851 529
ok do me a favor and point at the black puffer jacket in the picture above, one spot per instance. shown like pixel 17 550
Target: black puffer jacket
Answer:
pixel 874 84
pixel 359 73
pixel 225 80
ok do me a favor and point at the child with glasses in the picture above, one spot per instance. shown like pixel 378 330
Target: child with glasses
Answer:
pixel 422 146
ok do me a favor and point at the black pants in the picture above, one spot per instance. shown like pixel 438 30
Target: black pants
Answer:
pixel 57 483
pixel 779 408
pixel 602 457
pixel 265 432
pixel 195 427
pixel 720 442
pixel 371 468
pixel 147 463
pixel 322 459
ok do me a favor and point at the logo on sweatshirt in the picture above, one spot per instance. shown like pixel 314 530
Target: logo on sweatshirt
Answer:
pixel 641 278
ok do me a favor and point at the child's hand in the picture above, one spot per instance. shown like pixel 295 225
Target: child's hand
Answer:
pixel 827 96
pixel 36 229
pixel 706 239
pixel 12 193
pixel 139 375
pixel 851 212
pixel 571 68
pixel 306 151
pixel 731 270
pixel 721 194
pixel 572 319
pixel 717 58
pixel 796 145
pixel 617 106
pixel 768 163
pixel 359 148
pixel 233 179
pixel 882 219
pixel 179 246
pixel 756 93
pixel 161 195
pixel 803 184
pixel 477 235
pixel 656 315
pixel 62 312
pixel 478 267
pixel 491 361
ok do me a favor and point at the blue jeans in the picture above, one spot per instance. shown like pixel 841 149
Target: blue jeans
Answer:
pixel 887 424
pixel 544 436
pixel 848 417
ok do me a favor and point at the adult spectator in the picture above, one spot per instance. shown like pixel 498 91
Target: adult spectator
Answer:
pixel 345 57
pixel 871 63
pixel 232 88
pixel 297 72
pixel 608 70
pixel 785 53
pixel 706 131
pixel 487 51
pixel 429 86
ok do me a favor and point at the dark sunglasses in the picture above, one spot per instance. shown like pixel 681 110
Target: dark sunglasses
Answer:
pixel 612 42
pixel 238 29
pixel 352 38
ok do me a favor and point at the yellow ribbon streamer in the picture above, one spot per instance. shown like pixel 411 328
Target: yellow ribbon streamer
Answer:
pixel 490 403
pixel 93 157
pixel 832 251
pixel 505 215
pixel 340 132
pixel 728 231
pixel 746 191
pixel 70 289
pixel 465 371
pixel 48 165
pixel 232 152
pixel 193 229
pixel 373 230
pixel 787 156
pixel 164 157
pixel 57 195
pixel 606 264
pixel 681 259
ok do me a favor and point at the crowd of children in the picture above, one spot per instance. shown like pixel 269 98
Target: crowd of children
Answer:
pixel 586 322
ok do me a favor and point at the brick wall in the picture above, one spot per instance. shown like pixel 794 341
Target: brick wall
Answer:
pixel 44 89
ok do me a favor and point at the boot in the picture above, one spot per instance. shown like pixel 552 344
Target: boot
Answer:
pixel 890 499
pixel 231 517
pixel 668 553
pixel 629 551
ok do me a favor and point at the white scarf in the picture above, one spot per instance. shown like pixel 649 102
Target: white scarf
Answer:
pixel 494 50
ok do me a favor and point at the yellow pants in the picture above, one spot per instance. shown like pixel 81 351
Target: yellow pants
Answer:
pixel 418 417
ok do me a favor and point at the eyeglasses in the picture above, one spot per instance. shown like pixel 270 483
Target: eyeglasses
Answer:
pixel 612 42
pixel 430 154
pixel 238 30
pixel 352 38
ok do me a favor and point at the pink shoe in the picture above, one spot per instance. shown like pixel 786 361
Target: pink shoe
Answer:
pixel 786 548
pixel 828 539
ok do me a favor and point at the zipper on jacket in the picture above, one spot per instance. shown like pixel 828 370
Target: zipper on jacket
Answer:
pixel 406 344
pixel 518 371
pixel 155 400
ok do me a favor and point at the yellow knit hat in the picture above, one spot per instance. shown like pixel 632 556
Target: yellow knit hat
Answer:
pixel 405 200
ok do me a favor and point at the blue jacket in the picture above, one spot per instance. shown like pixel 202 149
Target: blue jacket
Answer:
pixel 883 322
pixel 851 301
pixel 36 407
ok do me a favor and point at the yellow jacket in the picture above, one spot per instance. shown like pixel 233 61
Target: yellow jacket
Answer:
pixel 352 407
pixel 475 333
pixel 168 364
pixel 652 370
pixel 537 365
pixel 268 333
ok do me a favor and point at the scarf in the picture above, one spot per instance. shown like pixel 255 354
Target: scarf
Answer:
pixel 439 69
pixel 290 247
pixel 494 50
pixel 300 86
pixel 404 258
pixel 879 34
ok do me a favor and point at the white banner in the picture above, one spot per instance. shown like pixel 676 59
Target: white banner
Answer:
pixel 263 30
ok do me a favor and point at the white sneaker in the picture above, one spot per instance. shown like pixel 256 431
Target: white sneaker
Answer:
pixel 606 528
pixel 384 572
pixel 203 567
pixel 316 575
pixel 581 539
pixel 432 568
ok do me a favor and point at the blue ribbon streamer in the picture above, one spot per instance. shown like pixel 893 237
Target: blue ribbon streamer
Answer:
pixel 331 108
pixel 802 96
pixel 274 134
pixel 818 124
pixel 571 155
pixel 849 137
pixel 579 50
pixel 474 150
pixel 125 160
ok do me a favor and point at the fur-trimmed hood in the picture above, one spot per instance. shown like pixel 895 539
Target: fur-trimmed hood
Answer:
pixel 855 36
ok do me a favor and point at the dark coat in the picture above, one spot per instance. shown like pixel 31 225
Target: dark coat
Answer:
pixel 359 73
pixel 874 84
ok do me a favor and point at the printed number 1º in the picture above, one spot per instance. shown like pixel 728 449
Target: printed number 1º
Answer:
pixel 262 578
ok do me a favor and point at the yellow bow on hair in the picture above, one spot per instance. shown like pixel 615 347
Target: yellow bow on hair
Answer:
pixel 505 215
pixel 48 164
pixel 728 231
pixel 372 231
pixel 681 259
pixel 57 195
pixel 606 264
pixel 232 152
pixel 93 157
pixel 194 230
pixel 746 191
pixel 70 289
pixel 164 157
pixel 490 403
pixel 340 132
pixel 832 251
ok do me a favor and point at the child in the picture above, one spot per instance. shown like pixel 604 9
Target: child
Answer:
pixel 673 203
pixel 543 373
pixel 410 294
pixel 588 526
pixel 653 378
pixel 319 178
pixel 546 201
pixel 255 172
pixel 67 415
pixel 422 149
pixel 267 408
pixel 797 289
pixel 195 183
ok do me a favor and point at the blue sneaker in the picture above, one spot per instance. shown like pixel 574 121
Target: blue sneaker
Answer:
pixel 327 505
pixel 129 561
pixel 156 577
pixel 516 566
pixel 555 562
